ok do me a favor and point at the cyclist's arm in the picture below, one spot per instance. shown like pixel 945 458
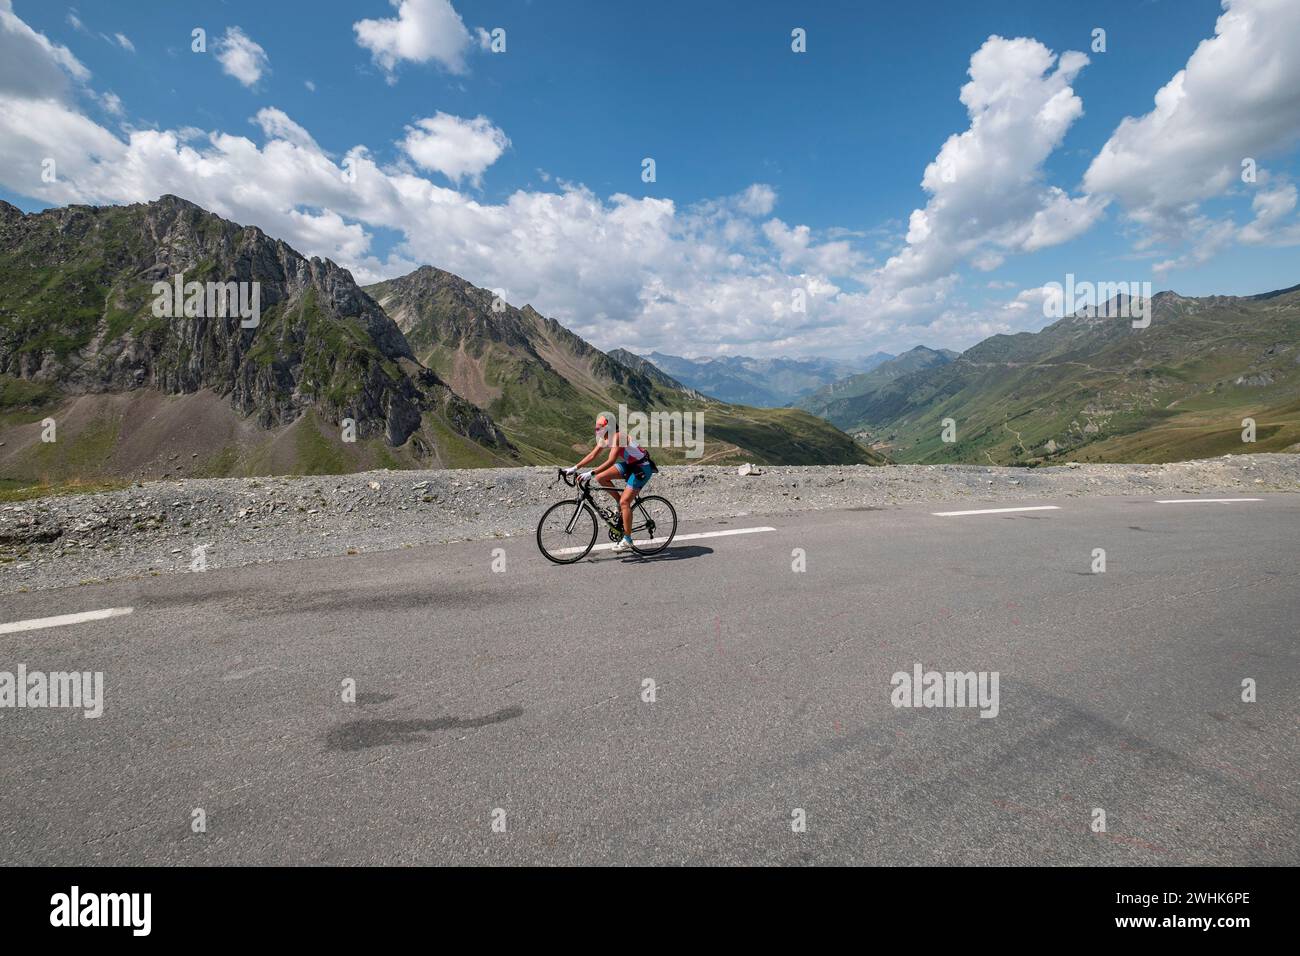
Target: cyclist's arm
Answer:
pixel 588 457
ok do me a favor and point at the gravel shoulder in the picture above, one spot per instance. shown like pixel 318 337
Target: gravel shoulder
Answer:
pixel 173 527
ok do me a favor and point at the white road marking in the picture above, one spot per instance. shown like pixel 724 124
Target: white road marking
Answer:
pixel 36 623
pixel 1187 501
pixel 993 511
pixel 681 537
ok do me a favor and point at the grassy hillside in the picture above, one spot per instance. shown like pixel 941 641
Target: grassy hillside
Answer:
pixel 841 403
pixel 1093 388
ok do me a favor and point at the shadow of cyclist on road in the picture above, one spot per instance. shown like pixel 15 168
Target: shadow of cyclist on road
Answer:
pixel 671 554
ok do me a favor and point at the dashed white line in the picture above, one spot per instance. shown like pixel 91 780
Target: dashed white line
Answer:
pixel 681 537
pixel 993 511
pixel 36 623
pixel 1192 501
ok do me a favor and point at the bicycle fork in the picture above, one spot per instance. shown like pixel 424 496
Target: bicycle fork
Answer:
pixel 573 518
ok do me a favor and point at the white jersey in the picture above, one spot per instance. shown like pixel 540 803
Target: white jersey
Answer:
pixel 630 451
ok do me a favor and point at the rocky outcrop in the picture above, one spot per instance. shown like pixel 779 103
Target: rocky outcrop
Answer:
pixel 77 311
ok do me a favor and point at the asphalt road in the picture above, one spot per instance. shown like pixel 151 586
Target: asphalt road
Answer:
pixel 522 691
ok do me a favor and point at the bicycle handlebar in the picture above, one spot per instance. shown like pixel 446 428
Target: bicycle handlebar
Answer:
pixel 572 482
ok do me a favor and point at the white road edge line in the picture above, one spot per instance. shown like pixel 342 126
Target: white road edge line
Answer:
pixel 1189 501
pixel 36 623
pixel 993 511
pixel 681 537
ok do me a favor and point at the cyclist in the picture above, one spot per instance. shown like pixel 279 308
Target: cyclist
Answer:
pixel 626 460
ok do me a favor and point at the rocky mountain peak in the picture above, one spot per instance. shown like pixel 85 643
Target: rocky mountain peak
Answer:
pixel 79 314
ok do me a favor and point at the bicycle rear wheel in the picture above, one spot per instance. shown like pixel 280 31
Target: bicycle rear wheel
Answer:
pixel 566 532
pixel 654 522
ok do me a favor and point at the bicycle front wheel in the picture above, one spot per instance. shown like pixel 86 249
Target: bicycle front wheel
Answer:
pixel 654 522
pixel 566 532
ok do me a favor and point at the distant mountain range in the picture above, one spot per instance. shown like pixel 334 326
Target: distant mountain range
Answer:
pixel 1085 388
pixel 97 381
pixel 841 402
pixel 1090 388
pixel 422 371
pixel 767 383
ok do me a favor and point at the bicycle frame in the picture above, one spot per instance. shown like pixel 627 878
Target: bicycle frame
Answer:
pixel 654 512
pixel 586 497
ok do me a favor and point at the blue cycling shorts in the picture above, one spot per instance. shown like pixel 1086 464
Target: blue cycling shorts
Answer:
pixel 640 474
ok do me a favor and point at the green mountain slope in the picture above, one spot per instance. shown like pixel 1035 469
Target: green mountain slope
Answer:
pixel 1091 388
pixel 840 402
pixel 650 371
pixel 544 385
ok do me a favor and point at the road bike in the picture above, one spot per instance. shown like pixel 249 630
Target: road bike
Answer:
pixel 568 529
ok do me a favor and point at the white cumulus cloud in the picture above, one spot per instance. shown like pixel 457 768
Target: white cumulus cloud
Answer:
pixel 717 276
pixel 457 148
pixel 31 64
pixel 1235 99
pixel 242 57
pixel 988 197
pixel 758 200
pixel 1272 205
pixel 423 31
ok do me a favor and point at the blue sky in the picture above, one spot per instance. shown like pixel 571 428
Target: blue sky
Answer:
pixel 776 171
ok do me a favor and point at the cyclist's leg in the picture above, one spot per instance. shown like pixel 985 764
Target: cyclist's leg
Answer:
pixel 635 482
pixel 625 505
pixel 608 475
